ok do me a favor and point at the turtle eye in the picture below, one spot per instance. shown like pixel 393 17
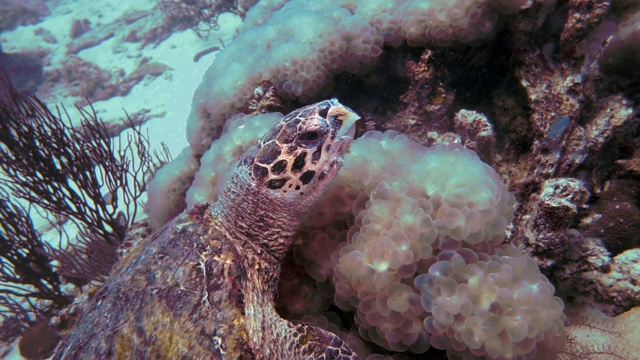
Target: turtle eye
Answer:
pixel 309 136
pixel 323 112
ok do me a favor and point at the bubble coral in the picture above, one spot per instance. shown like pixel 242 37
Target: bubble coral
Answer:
pixel 498 306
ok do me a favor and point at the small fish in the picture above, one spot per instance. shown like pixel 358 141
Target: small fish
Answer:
pixel 558 128
pixel 205 52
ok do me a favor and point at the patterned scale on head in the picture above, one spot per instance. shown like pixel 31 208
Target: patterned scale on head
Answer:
pixel 303 149
pixel 204 285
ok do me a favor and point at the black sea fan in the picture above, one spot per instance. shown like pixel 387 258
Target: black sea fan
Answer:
pixel 61 171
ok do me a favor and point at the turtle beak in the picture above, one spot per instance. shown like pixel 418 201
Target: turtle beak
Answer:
pixel 343 119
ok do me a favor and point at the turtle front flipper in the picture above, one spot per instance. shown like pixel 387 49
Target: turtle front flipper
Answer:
pixel 311 342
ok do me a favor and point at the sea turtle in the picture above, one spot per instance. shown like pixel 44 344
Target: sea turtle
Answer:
pixel 203 286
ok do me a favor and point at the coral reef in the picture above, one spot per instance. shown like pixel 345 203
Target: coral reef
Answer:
pixel 477 133
pixel 416 247
pixel 615 217
pixel 536 102
pixel 158 23
pixel 399 225
pixel 397 229
pixel 497 307
pixel 167 187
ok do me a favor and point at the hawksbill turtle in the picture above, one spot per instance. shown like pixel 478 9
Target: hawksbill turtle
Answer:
pixel 203 286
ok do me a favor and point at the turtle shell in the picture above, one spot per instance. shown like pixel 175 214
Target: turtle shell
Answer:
pixel 191 292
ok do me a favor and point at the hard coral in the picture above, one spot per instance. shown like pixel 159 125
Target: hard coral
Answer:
pixel 167 189
pixel 477 133
pixel 401 227
pixel 217 163
pixel 497 306
pixel 596 336
pixel 86 80
pixel 427 100
pixel 583 16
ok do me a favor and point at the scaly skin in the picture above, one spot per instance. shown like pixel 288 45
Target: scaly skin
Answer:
pixel 203 286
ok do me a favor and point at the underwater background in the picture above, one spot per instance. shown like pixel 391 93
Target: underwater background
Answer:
pixel 489 207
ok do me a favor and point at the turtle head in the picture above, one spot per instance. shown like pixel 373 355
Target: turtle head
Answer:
pixel 281 178
pixel 301 155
